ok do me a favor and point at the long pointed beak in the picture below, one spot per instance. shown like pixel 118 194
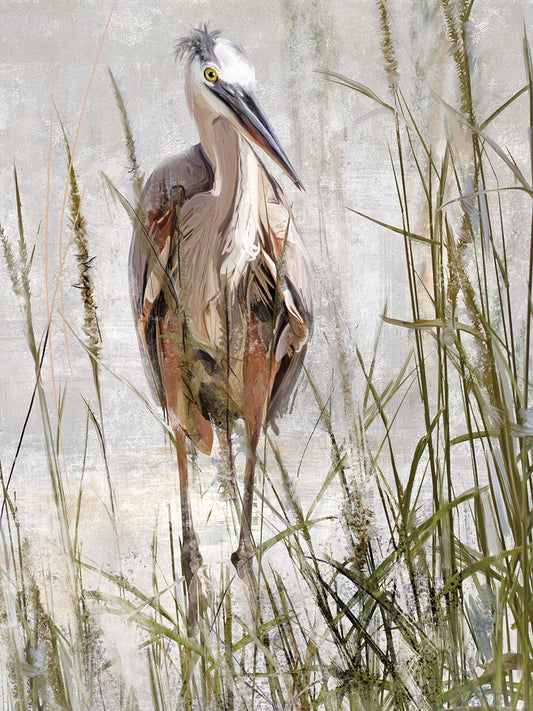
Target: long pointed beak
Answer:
pixel 254 124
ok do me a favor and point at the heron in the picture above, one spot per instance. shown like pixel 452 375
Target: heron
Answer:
pixel 219 280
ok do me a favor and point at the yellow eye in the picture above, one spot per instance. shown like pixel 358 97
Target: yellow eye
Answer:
pixel 210 74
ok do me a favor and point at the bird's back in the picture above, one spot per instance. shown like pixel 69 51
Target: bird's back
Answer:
pixel 148 263
pixel 193 173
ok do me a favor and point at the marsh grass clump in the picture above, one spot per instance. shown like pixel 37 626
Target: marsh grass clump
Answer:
pixel 43 658
pixel 470 340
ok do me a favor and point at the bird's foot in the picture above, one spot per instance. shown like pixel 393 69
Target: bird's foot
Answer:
pixel 243 560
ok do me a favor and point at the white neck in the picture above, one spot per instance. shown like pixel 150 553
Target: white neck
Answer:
pixel 235 187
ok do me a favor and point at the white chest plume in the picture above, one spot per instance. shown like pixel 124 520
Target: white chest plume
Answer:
pixel 241 244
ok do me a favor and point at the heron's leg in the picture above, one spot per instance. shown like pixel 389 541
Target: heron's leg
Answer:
pixel 191 560
pixel 242 558
pixel 258 376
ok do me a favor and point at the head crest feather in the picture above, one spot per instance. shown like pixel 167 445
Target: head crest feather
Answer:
pixel 200 43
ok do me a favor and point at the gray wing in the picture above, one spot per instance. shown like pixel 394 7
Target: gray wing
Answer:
pixel 173 183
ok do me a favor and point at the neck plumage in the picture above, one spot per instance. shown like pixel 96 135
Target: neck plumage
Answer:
pixel 227 227
pixel 222 145
pixel 235 188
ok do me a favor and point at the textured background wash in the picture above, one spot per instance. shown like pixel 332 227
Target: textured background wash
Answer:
pixel 338 144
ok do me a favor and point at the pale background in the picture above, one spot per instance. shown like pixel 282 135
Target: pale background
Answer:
pixel 337 142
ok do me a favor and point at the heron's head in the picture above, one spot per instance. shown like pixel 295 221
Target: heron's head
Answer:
pixel 220 78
